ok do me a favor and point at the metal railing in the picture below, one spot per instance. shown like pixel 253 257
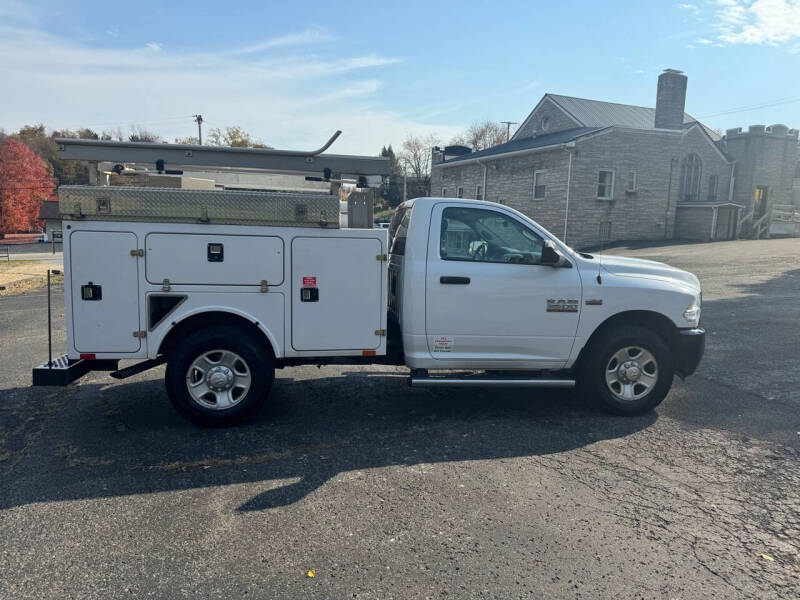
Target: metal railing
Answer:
pixel 758 227
pixel 5 253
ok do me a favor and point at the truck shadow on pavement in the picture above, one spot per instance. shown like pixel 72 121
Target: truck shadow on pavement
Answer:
pixel 121 439
pixel 748 379
pixel 103 439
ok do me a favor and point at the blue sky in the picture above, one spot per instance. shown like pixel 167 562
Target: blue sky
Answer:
pixel 293 72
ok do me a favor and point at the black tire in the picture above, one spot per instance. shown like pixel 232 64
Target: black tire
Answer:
pixel 256 364
pixel 598 357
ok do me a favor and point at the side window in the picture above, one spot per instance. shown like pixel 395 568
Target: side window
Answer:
pixel 398 230
pixel 605 184
pixel 539 185
pixel 481 235
pixel 713 184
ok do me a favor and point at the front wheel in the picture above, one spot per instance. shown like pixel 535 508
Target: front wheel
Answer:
pixel 629 371
pixel 219 376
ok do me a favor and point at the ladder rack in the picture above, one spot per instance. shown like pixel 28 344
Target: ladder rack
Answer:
pixel 367 170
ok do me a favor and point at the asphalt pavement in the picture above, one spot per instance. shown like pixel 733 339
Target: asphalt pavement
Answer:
pixel 385 492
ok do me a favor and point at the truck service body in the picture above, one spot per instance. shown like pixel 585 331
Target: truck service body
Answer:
pixel 462 292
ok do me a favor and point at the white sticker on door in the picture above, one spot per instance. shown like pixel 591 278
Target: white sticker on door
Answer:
pixel 443 343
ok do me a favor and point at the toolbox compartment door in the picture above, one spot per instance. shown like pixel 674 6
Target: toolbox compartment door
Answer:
pixel 343 304
pixel 209 259
pixel 104 291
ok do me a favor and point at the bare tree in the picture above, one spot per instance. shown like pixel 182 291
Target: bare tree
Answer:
pixel 233 136
pixel 113 134
pixel 415 163
pixel 415 157
pixel 481 135
pixel 140 134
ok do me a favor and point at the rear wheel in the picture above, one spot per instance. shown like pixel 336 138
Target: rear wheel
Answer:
pixel 219 376
pixel 628 371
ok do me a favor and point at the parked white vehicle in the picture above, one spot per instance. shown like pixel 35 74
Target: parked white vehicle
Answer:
pixel 469 286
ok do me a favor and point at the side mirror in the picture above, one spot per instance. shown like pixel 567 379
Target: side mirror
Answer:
pixel 551 256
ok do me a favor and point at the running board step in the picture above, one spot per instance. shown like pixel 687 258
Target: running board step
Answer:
pixel 489 382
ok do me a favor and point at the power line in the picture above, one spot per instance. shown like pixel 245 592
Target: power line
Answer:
pixel 508 125
pixel 138 122
pixel 199 120
pixel 739 109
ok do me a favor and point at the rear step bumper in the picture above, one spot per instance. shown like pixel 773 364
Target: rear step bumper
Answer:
pixel 63 371
pixel 438 381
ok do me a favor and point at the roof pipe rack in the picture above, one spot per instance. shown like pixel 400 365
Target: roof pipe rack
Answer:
pixel 224 158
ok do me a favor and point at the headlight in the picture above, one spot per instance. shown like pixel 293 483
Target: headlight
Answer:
pixel 692 312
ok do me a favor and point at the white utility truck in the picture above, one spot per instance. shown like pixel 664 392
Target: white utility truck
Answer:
pixel 225 287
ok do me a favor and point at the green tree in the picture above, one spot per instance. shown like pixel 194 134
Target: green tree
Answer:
pixel 391 191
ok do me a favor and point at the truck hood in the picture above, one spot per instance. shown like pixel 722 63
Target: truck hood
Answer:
pixel 639 267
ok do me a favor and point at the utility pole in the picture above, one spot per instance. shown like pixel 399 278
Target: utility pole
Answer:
pixel 508 125
pixel 199 119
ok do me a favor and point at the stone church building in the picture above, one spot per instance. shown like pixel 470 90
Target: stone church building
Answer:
pixel 593 172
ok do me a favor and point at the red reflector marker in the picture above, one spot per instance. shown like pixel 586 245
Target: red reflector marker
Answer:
pixel 90 356
pixel 368 353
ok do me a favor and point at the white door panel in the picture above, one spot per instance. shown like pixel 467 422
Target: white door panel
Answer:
pixel 103 258
pixel 185 259
pixel 348 306
pixel 501 315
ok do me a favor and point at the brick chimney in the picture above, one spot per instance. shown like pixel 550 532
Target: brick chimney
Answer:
pixel 671 99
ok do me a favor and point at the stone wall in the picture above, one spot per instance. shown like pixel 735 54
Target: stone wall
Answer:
pixel 648 213
pixel 765 156
pixel 694 223
pixel 557 120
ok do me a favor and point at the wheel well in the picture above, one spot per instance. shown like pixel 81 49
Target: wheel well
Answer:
pixel 211 319
pixel 643 318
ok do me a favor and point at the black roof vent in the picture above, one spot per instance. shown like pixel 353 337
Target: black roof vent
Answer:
pixel 453 151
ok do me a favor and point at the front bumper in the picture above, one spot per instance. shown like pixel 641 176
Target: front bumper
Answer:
pixel 690 348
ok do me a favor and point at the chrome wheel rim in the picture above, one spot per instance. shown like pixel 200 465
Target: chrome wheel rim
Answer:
pixel 218 379
pixel 631 373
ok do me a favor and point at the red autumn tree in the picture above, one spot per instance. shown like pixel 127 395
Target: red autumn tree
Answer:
pixel 25 182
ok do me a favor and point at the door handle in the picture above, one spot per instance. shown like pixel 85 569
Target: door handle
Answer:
pixel 454 280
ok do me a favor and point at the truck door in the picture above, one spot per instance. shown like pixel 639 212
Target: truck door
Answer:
pixel 338 301
pixel 104 292
pixel 489 301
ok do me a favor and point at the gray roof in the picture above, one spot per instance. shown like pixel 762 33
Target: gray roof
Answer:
pixel 595 113
pixel 540 141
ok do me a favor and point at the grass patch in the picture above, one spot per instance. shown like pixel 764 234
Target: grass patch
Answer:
pixel 6 265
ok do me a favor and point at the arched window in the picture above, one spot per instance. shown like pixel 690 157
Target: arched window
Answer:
pixel 691 170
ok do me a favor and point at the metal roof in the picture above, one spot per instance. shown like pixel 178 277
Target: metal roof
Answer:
pixel 595 113
pixel 530 143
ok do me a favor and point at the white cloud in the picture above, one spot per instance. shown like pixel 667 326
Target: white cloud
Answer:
pixel 757 21
pixel 15 11
pixel 302 38
pixel 689 7
pixel 295 100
